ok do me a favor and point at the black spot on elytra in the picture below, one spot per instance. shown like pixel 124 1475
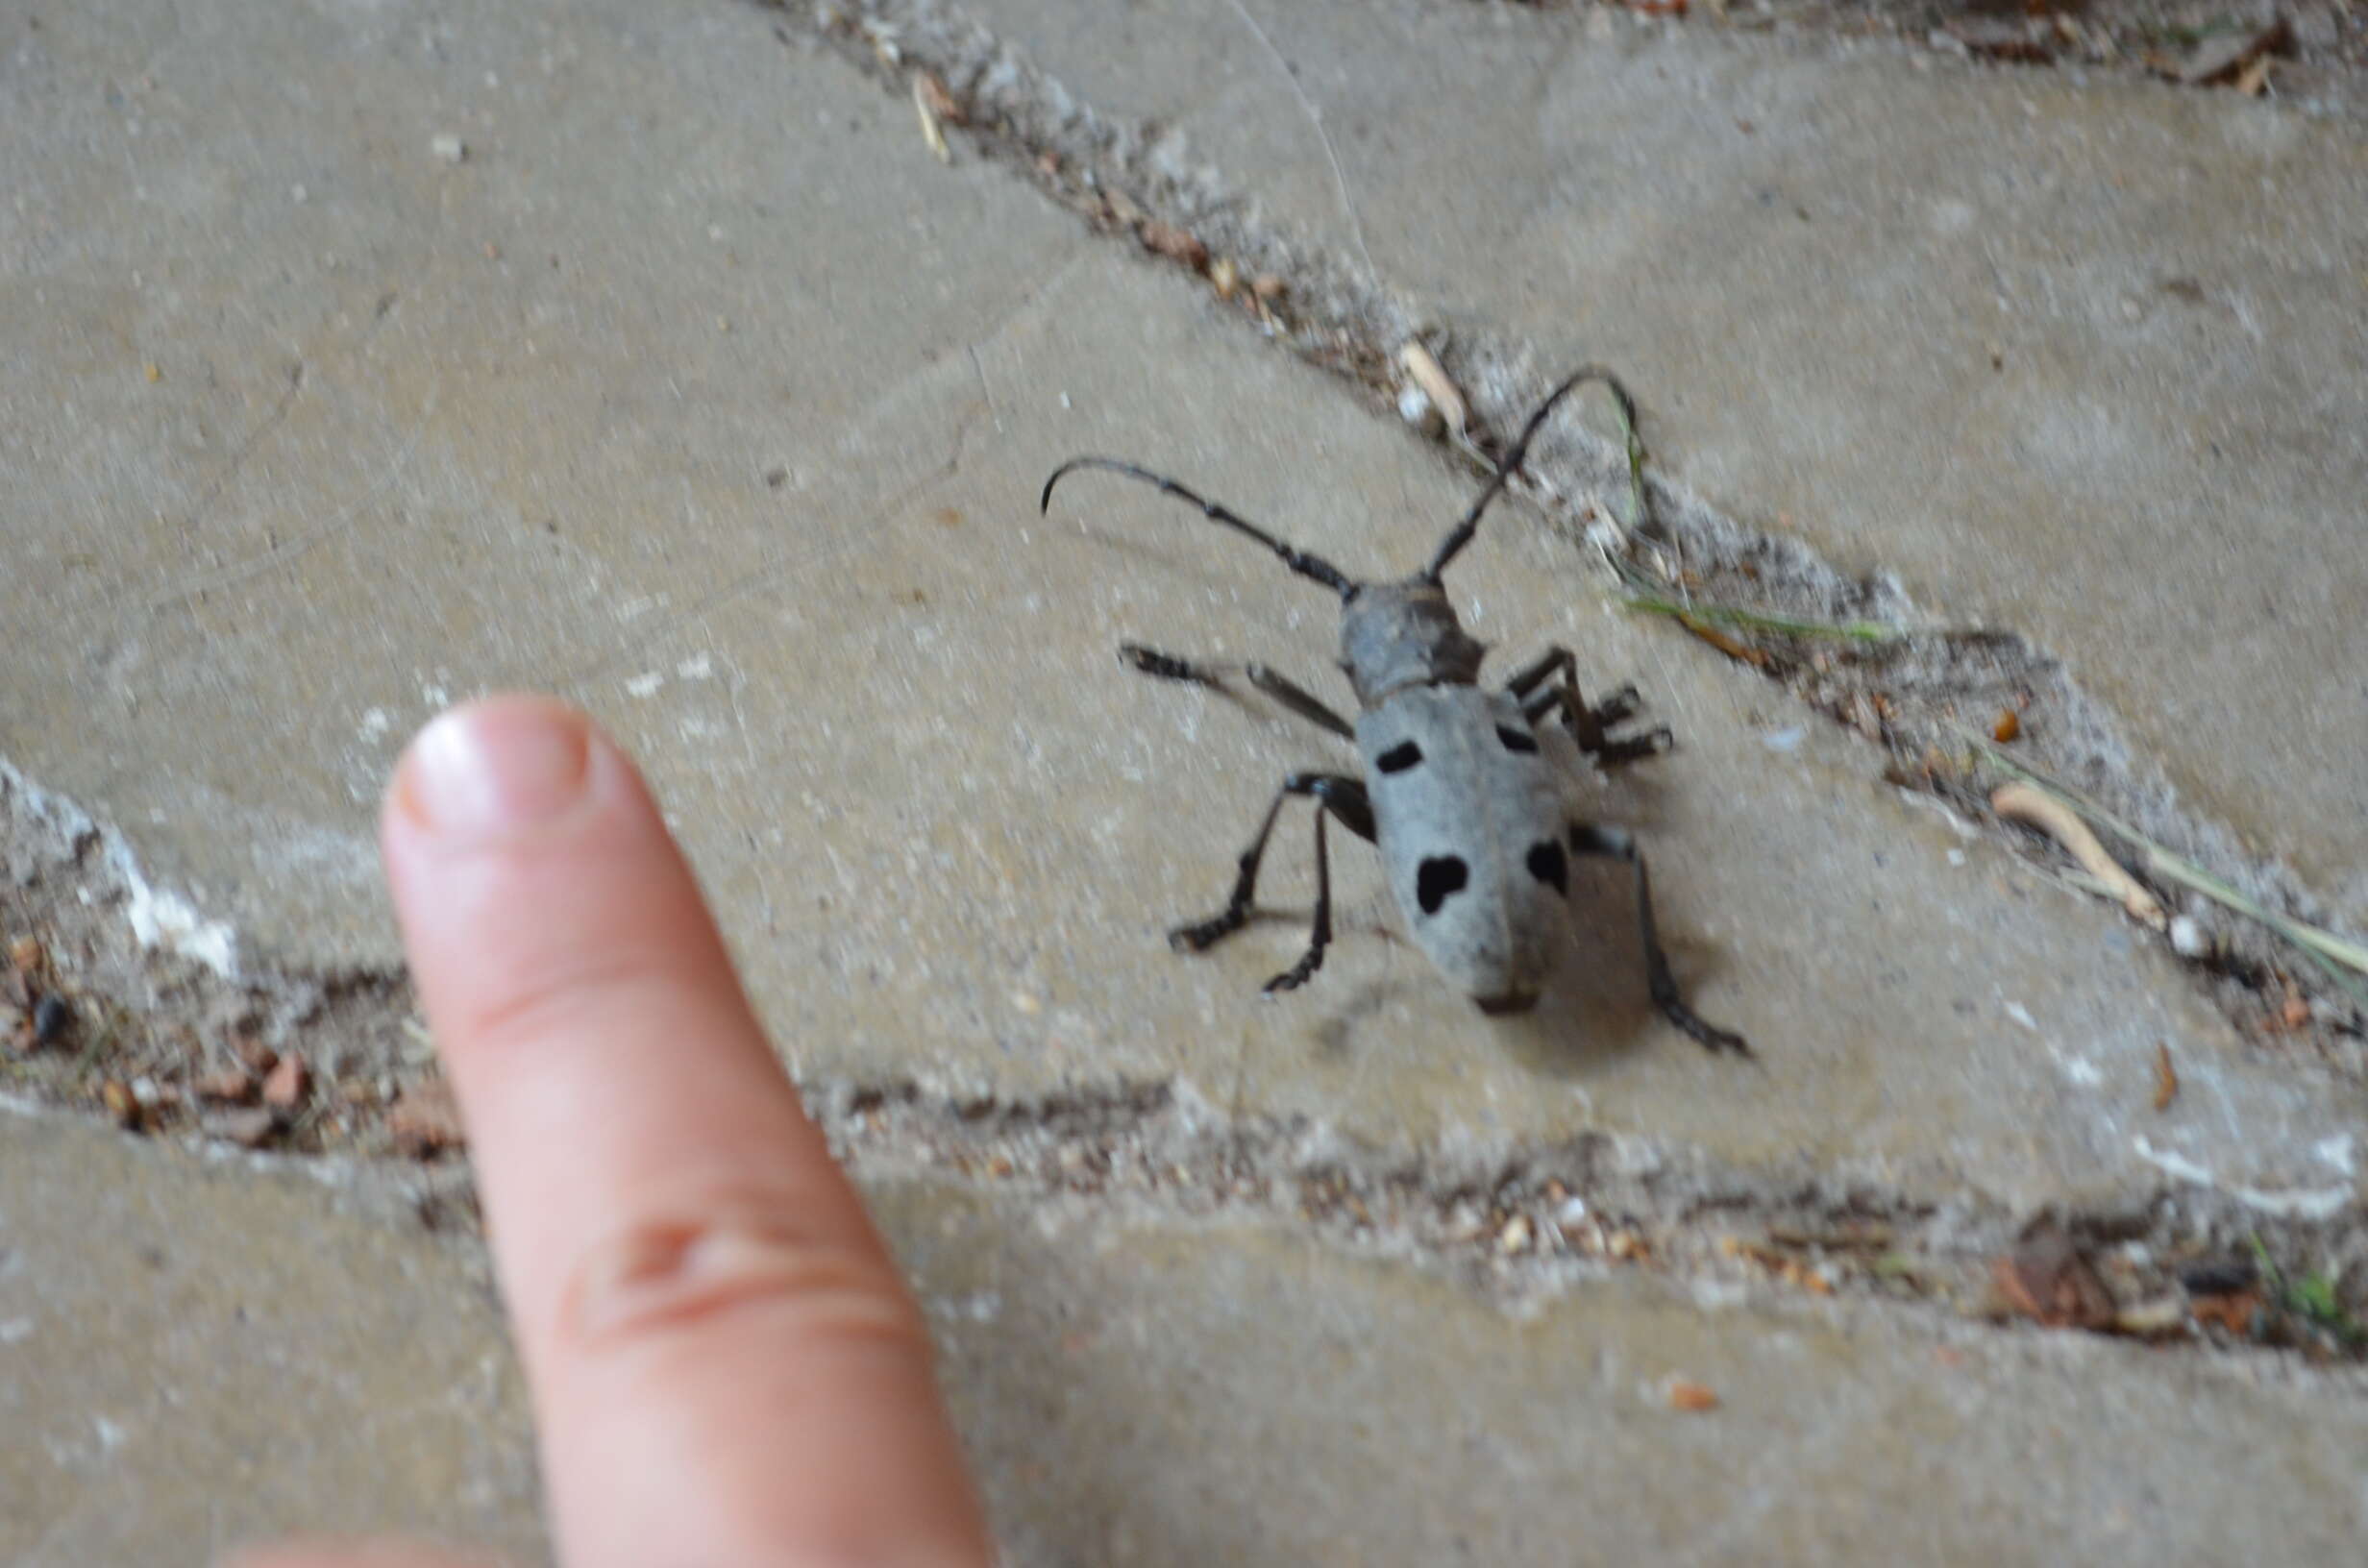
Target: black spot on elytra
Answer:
pixel 1399 757
pixel 1517 739
pixel 1436 878
pixel 1548 864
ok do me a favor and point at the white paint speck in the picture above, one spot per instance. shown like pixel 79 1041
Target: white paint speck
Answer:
pixel 1956 857
pixel 2303 1204
pixel 16 1330
pixel 2082 1072
pixel 645 685
pixel 698 667
pixel 168 921
pixel 111 1433
pixel 373 725
pixel 1785 740
pixel 448 147
pixel 2022 1015
pixel 2337 1151
pixel 1063 400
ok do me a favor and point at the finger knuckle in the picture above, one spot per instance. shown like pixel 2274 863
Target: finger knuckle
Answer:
pixel 663 1278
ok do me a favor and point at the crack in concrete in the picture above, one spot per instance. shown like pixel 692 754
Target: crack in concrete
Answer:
pixel 1908 693
pixel 1525 1225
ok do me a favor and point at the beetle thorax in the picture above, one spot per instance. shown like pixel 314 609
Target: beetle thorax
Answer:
pixel 1395 635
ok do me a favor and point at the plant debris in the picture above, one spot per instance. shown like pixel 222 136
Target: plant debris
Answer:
pixel 2166 1078
pixel 924 104
pixel 288 1084
pixel 1423 369
pixel 2021 802
pixel 2225 58
pixel 2046 1279
pixel 1175 244
pixel 2334 954
pixel 1693 1398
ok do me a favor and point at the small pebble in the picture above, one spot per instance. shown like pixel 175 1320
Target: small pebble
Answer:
pixel 449 147
pixel 2187 938
pixel 1785 740
pixel 290 1081
pixel 1416 409
pixel 1515 1237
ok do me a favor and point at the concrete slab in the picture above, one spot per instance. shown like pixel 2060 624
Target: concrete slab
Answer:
pixel 198 1354
pixel 945 829
pixel 1224 1395
pixel 195 1355
pixel 653 359
pixel 2087 359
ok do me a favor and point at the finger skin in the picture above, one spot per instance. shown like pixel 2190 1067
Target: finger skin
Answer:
pixel 725 1365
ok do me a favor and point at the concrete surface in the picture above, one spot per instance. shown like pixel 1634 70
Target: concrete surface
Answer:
pixel 695 389
pixel 175 1380
pixel 2084 359
pixel 196 1354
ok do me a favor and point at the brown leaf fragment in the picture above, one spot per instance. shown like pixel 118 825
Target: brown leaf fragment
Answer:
pixel 2166 1077
pixel 930 88
pixel 1268 286
pixel 2233 1310
pixel 2223 58
pixel 1694 1398
pixel 1175 244
pixel 2254 78
pixel 1733 648
pixel 2046 1279
pixel 25 953
pixel 425 1120
pixel 289 1083
pixel 123 1107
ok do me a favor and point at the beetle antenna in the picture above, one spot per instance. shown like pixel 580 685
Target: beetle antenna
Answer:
pixel 1450 546
pixel 1314 567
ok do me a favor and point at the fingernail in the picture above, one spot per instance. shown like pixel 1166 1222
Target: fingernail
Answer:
pixel 495 767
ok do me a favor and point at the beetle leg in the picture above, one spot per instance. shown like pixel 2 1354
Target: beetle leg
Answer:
pixel 1336 794
pixel 1527 678
pixel 1319 931
pixel 1277 685
pixel 1616 843
pixel 1556 670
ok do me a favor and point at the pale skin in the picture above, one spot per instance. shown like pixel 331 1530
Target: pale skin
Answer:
pixel 724 1365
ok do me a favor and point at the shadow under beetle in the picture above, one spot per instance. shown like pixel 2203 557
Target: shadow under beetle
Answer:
pixel 1473 821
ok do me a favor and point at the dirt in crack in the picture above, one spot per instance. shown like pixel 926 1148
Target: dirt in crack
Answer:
pixel 2185 1266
